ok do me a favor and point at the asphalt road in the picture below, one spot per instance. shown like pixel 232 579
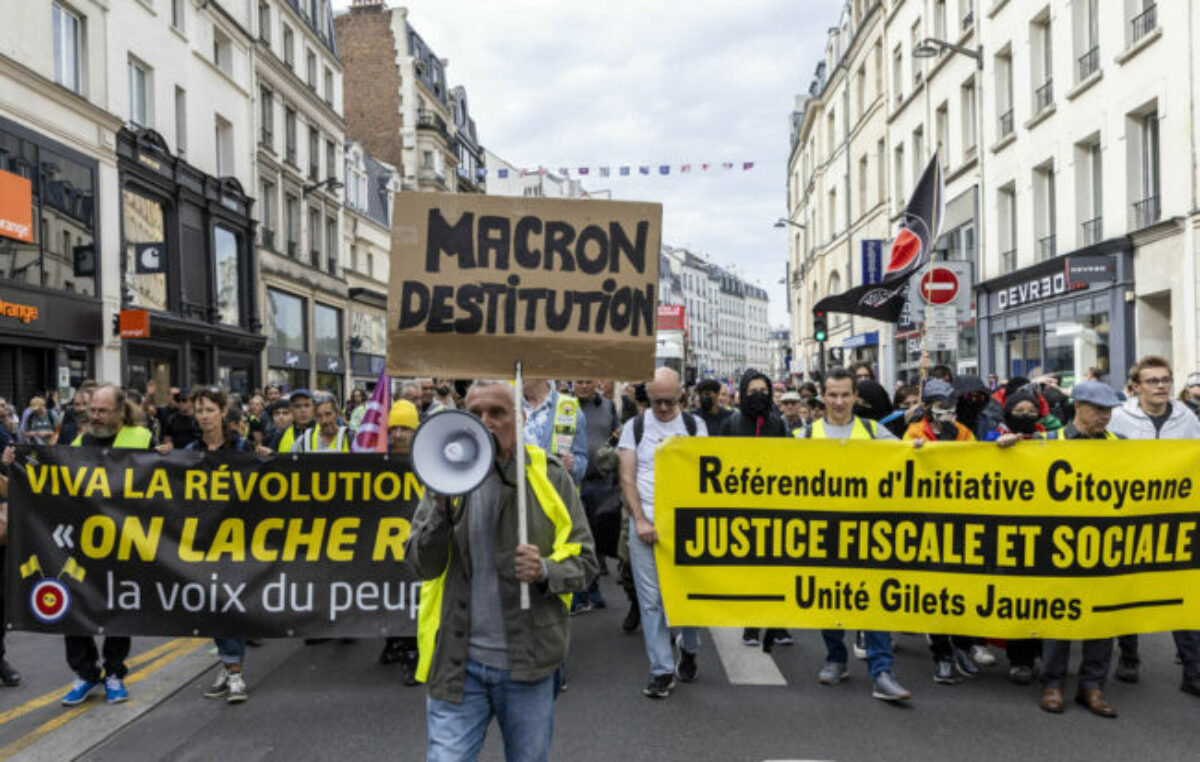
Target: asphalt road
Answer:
pixel 335 702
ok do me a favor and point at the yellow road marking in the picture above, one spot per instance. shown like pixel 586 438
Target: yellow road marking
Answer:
pixel 182 648
pixel 54 696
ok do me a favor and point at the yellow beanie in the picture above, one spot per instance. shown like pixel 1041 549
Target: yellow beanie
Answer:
pixel 404 413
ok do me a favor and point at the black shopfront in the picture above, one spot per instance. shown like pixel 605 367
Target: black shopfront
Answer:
pixel 187 257
pixel 1064 316
pixel 51 315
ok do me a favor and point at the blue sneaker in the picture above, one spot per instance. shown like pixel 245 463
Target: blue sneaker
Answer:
pixel 114 690
pixel 80 689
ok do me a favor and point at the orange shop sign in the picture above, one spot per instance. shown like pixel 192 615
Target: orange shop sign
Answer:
pixel 135 324
pixel 16 207
pixel 26 313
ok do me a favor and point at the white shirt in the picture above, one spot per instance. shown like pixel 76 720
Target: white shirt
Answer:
pixel 654 434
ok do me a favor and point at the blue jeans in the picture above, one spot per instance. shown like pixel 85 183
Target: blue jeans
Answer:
pixel 231 650
pixel 655 630
pixel 525 711
pixel 879 649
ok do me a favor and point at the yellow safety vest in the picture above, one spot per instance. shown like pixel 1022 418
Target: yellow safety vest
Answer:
pixel 343 436
pixel 128 438
pixel 288 440
pixel 564 423
pixel 863 429
pixel 429 612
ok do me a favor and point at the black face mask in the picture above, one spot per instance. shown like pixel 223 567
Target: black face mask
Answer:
pixel 1021 424
pixel 442 391
pixel 758 404
pixel 707 401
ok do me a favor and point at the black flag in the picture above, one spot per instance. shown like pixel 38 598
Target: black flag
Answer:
pixel 911 249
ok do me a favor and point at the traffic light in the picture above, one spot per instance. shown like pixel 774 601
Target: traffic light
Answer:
pixel 820 330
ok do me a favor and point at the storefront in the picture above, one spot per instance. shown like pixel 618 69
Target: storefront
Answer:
pixel 288 361
pixel 51 318
pixel 187 258
pixel 1064 316
pixel 862 347
pixel 368 337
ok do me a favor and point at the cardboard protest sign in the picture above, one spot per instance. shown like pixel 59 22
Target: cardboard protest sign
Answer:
pixel 569 288
pixel 197 543
pixel 1081 539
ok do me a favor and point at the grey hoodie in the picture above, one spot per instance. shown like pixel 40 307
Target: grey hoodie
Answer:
pixel 1131 422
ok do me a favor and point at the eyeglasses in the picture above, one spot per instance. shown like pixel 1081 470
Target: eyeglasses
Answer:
pixel 1160 381
pixel 664 402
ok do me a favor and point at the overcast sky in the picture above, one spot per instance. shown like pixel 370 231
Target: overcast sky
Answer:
pixel 610 82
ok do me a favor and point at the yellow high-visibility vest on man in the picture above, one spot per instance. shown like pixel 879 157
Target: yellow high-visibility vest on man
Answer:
pixel 473 635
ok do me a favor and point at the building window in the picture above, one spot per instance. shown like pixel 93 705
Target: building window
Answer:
pixel 314 237
pixel 328 85
pixel 330 159
pixel 939 19
pixel 880 171
pixel 289 135
pixel 222 51
pixel 1090 179
pixel 898 74
pixel 942 124
pixel 968 14
pixel 1041 50
pixel 918 69
pixel 180 120
pixel 266 203
pixel 1087 38
pixel 969 115
pixel 331 244
pixel 68 48
pixel 1006 204
pixel 291 221
pixel 177 14
pixel 227 266
pixel 264 21
pixel 1147 209
pixel 427 160
pixel 900 191
pixel 141 93
pixel 224 144
pixel 286 321
pixel 1045 218
pixel 266 104
pixel 314 154
pixel 863 178
pixel 312 70
pixel 289 47
pixel 918 152
pixel 1143 18
pixel 831 131
pixel 144 230
pixel 861 94
pixel 327 330
pixel 1004 92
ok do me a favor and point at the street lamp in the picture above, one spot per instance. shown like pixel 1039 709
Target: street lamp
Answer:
pixel 332 183
pixel 781 222
pixel 932 48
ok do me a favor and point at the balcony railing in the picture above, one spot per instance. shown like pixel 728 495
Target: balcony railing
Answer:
pixel 1008 260
pixel 968 20
pixel 332 266
pixel 268 238
pixel 433 122
pixel 267 138
pixel 314 171
pixel 1047 246
pixel 290 155
pixel 1043 97
pixel 1145 22
pixel 292 249
pixel 1093 231
pixel 1146 212
pixel 1089 62
pixel 1006 123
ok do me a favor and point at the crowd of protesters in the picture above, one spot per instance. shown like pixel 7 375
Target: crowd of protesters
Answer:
pixel 599 439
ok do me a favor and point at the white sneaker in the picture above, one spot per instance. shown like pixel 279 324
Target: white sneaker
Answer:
pixel 982 656
pixel 860 645
pixel 220 685
pixel 237 688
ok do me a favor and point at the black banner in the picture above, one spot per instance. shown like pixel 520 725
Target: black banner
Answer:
pixel 195 543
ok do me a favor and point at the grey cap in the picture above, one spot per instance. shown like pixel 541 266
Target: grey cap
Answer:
pixel 1096 393
pixel 936 390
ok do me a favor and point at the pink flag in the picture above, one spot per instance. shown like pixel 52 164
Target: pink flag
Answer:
pixel 372 432
pixel 747 165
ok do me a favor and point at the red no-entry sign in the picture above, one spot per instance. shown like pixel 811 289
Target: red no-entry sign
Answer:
pixel 939 286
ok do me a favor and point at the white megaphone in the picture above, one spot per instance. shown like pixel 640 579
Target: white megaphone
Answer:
pixel 452 452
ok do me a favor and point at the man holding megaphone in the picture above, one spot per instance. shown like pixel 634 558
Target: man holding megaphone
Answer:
pixel 481 654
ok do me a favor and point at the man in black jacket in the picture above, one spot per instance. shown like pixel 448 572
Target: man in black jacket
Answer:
pixel 710 411
pixel 756 417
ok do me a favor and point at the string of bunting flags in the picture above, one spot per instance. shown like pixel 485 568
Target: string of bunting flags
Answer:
pixel 625 170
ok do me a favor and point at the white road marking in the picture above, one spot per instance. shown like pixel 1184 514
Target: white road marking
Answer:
pixel 744 665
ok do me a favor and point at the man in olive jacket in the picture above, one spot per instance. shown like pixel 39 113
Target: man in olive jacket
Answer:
pixel 480 653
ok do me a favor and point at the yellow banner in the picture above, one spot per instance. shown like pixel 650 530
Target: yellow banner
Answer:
pixel 1079 539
